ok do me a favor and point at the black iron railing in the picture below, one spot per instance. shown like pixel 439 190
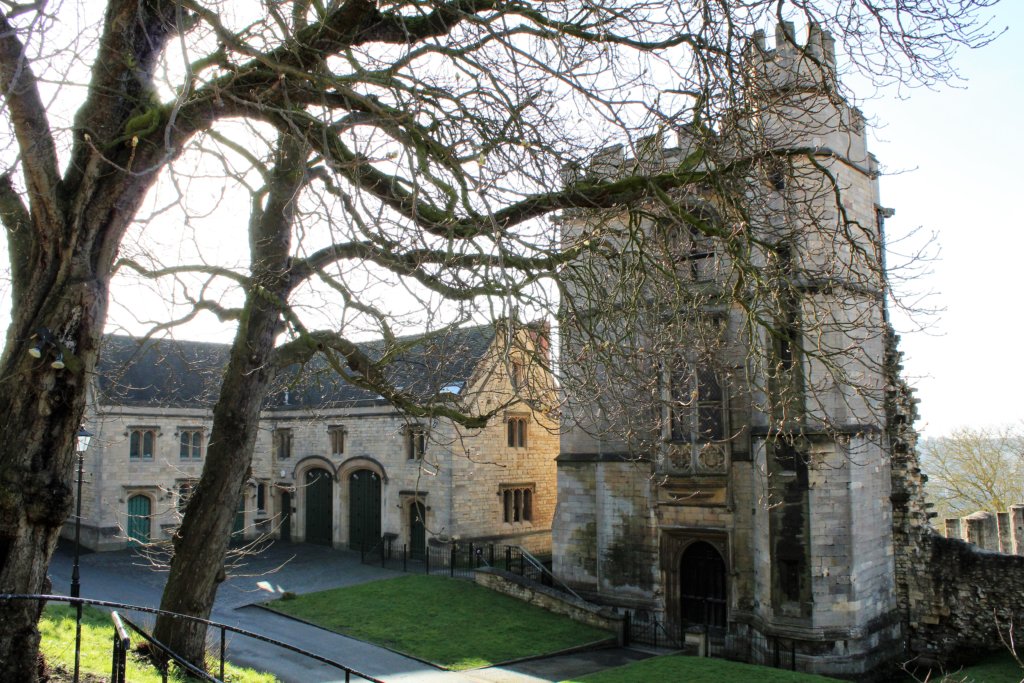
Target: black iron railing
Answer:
pixel 459 560
pixel 122 641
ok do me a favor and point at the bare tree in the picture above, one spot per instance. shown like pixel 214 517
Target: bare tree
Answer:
pixel 439 129
pixel 974 469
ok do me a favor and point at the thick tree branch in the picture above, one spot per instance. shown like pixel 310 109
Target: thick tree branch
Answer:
pixel 19 90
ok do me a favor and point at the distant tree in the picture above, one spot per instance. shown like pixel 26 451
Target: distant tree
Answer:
pixel 974 469
pixel 438 131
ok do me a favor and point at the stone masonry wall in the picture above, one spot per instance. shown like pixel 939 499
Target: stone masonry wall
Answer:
pixel 554 601
pixel 962 599
pixel 999 532
pixel 955 598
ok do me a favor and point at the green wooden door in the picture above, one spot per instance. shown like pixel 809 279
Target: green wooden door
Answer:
pixel 138 520
pixel 286 516
pixel 319 506
pixel 417 531
pixel 363 509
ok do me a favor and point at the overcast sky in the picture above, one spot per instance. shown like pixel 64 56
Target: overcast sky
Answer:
pixel 954 158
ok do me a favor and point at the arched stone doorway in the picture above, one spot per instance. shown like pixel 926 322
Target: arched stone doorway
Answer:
pixel 363 509
pixel 319 508
pixel 702 586
pixel 138 524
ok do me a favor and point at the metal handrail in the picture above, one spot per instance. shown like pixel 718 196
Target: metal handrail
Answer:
pixel 178 659
pixel 544 570
pixel 349 671
pixel 122 643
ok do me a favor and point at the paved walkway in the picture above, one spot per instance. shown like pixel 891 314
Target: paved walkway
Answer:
pixel 124 576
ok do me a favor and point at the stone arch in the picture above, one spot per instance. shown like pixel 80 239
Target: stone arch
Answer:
pixel 703 585
pixel 675 544
pixel 138 525
pixel 302 471
pixel 344 473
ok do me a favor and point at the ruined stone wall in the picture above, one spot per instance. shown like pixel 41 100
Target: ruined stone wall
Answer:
pixel 961 599
pixel 955 597
pixel 996 531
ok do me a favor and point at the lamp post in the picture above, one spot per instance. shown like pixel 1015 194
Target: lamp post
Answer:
pixel 81 444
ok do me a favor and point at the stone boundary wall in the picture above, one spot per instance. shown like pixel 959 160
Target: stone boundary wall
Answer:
pixel 961 598
pixel 1001 532
pixel 554 601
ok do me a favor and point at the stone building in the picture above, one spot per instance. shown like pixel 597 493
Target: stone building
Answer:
pixel 750 496
pixel 333 464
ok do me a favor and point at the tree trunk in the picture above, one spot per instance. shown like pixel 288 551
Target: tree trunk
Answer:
pixel 42 410
pixel 200 546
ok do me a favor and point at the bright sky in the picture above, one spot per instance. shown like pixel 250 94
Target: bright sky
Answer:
pixel 954 159
pixel 961 150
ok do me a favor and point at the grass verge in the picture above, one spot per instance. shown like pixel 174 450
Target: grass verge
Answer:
pixel 58 645
pixel 453 624
pixel 696 670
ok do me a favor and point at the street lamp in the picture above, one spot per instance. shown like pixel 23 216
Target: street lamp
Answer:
pixel 81 444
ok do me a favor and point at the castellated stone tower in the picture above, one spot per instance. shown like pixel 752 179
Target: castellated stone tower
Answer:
pixel 725 468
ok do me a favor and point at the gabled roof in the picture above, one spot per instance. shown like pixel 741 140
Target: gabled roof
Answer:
pixel 187 374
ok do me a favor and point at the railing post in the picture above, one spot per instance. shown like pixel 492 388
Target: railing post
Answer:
pixel 426 560
pixel 405 557
pixel 508 558
pixel 451 563
pixel 492 555
pixel 223 650
pixel 472 558
pixel 121 645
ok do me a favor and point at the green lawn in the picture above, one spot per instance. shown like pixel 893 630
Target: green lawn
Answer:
pixel 696 670
pixel 451 623
pixel 58 645
pixel 996 668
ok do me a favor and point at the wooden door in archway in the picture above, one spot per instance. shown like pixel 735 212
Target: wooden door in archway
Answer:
pixel 363 509
pixel 319 492
pixel 138 527
pixel 702 588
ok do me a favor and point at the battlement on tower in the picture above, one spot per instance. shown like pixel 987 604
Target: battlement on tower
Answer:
pixel 793 102
pixel 792 65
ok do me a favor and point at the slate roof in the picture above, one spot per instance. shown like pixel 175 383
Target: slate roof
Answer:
pixel 186 374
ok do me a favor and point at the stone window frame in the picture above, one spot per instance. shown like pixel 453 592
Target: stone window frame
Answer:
pixel 137 442
pixel 517 502
pixel 336 434
pixel 691 250
pixel 283 438
pixel 517 431
pixel 196 443
pixel 261 497
pixel 415 441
